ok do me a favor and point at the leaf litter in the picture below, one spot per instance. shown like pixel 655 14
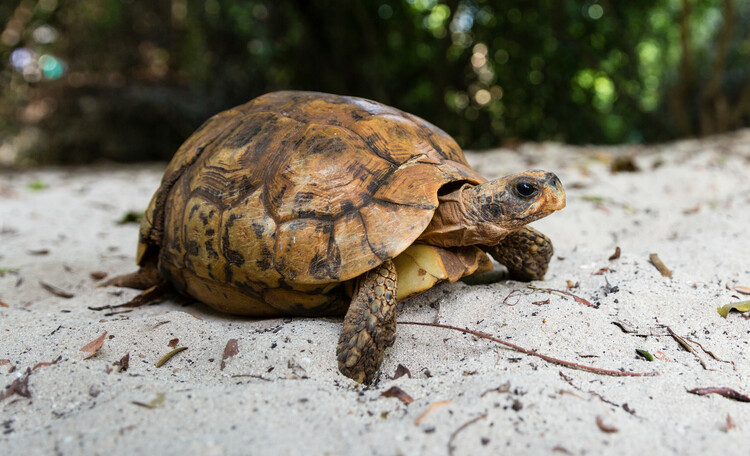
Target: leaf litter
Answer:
pixel 230 349
pixel 94 346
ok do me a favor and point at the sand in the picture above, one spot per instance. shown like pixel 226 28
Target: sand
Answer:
pixel 282 394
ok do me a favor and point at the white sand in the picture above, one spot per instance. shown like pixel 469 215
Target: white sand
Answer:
pixel 282 393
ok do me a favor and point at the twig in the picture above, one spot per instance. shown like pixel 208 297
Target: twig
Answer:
pixel 687 347
pixel 432 407
pixel 578 299
pixel 148 296
pixel 658 264
pixel 451 448
pixel 505 301
pixel 550 359
pixel 711 354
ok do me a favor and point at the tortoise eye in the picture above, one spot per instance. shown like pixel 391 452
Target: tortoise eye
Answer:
pixel 526 190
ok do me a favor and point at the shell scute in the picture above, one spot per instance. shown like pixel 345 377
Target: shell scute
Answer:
pixel 280 200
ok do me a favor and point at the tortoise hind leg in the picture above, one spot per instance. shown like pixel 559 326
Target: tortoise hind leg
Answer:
pixel 526 253
pixel 145 277
pixel 369 324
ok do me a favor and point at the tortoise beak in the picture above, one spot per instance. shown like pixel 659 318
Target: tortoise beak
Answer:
pixel 553 193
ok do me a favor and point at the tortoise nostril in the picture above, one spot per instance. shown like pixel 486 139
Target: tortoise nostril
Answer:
pixel 553 180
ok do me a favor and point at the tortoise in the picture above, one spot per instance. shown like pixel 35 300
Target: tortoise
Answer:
pixel 311 204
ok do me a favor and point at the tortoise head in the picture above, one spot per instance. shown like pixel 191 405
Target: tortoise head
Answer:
pixel 516 200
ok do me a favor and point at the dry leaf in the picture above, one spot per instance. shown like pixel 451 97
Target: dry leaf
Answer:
pixel 742 290
pixel 169 356
pixel 601 271
pixel 615 255
pixel 173 343
pixel 395 391
pixel 20 386
pixel 123 363
pixel 2 304
pixel 401 370
pixel 231 349
pixel 94 346
pixel 729 424
pixel 3 362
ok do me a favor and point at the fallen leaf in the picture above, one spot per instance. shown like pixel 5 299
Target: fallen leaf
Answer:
pixel 173 343
pixel 742 290
pixel 56 291
pixel 401 370
pixel 654 258
pixel 615 255
pixel 20 387
pixel 645 354
pixel 729 424
pixel 94 346
pixel 169 356
pixel 230 349
pixel 123 364
pixel 3 362
pixel 741 306
pixel 430 409
pixel 2 304
pixel 569 284
pixel 601 271
pixel 38 252
pixel 729 393
pixel 153 403
pixel 661 356
pixel 46 363
pixel 605 427
pixel 541 303
pixel 398 393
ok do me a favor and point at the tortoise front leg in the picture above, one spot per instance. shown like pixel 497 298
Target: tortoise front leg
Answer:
pixel 526 253
pixel 369 324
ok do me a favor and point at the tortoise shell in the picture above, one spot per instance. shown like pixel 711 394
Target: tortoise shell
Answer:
pixel 269 207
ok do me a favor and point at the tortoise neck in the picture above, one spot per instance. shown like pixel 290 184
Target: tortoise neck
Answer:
pixel 457 223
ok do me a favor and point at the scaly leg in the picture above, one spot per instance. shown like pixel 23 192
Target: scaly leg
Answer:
pixel 369 324
pixel 526 253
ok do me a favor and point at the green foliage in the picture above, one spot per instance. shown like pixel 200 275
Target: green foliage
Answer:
pixel 140 73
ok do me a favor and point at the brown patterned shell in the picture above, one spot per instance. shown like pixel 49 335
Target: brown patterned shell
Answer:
pixel 270 206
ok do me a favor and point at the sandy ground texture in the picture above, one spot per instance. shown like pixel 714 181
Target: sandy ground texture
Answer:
pixel 281 394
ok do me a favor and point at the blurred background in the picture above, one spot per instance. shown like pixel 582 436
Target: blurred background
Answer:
pixel 129 80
